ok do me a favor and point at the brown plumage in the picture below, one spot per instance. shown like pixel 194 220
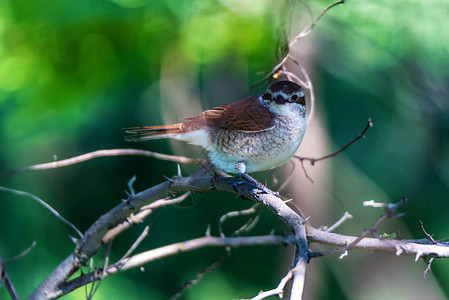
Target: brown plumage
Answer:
pixel 247 115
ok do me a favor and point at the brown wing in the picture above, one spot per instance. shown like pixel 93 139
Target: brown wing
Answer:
pixel 245 115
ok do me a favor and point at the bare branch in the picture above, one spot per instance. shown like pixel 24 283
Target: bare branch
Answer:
pixel 428 269
pixel 4 277
pixel 428 236
pixel 165 202
pixel 19 256
pixel 301 35
pixel 165 251
pixel 306 31
pixel 252 210
pixel 44 204
pixel 409 247
pixel 201 274
pixel 389 209
pixel 93 239
pixel 346 216
pixel 278 291
pixel 145 211
pixel 102 153
pixel 55 285
pixel 136 244
pixel 314 160
pixel 281 69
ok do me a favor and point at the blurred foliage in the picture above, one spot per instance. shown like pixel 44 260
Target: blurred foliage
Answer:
pixel 73 73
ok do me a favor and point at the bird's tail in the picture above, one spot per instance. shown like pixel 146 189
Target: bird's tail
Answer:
pixel 137 134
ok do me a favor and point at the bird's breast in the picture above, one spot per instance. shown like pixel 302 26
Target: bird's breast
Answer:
pixel 259 150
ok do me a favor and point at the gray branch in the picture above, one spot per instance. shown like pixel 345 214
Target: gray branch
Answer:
pixel 57 284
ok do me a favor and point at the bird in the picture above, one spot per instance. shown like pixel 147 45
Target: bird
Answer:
pixel 257 133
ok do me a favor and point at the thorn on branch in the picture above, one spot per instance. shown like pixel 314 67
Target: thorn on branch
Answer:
pixel 304 222
pixel 419 254
pixel 130 186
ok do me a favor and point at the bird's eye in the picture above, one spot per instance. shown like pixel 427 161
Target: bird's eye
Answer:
pixel 295 97
pixel 266 96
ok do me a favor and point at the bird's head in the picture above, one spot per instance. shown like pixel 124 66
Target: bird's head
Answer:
pixel 283 94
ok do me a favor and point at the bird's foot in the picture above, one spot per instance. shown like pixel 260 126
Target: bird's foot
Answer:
pixel 259 185
pixel 241 168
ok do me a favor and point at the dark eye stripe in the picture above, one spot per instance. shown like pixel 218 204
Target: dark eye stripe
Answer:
pixel 266 96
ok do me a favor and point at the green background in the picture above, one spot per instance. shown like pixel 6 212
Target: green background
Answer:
pixel 74 73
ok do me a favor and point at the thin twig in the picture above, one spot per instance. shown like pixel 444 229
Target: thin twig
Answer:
pixel 165 202
pixel 232 214
pixel 281 69
pixel 25 252
pixel 140 259
pixel 301 35
pixel 289 177
pixel 144 212
pixel 4 277
pixel 346 216
pixel 429 267
pixel 96 285
pixel 44 204
pixel 427 235
pixel 102 153
pixel 278 291
pixel 248 226
pixel 314 160
pixel 136 244
pixel 201 274
pixel 306 31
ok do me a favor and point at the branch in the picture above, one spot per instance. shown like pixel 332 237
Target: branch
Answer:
pixel 144 212
pixel 8 283
pixel 201 274
pixel 306 31
pixel 361 135
pixel 92 240
pixel 314 160
pixel 281 67
pixel 165 251
pixel 427 235
pixel 423 247
pixel 232 214
pixel 101 153
pixel 56 284
pixel 389 214
pixel 279 290
pixel 4 276
pixel 345 217
pixel 44 204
